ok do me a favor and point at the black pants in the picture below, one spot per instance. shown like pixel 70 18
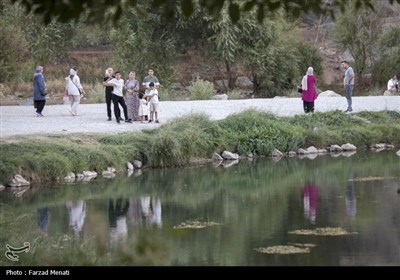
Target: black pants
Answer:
pixel 109 97
pixel 39 105
pixel 308 107
pixel 119 100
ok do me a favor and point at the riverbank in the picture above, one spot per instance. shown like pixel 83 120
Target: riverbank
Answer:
pixel 21 120
pixel 41 158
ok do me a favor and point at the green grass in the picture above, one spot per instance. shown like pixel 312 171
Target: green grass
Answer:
pixel 184 139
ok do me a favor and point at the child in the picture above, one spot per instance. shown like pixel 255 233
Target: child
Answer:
pixel 143 110
pixel 153 96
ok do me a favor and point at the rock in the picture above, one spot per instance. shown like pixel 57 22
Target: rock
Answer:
pixel 322 151
pixel 2 188
pixel 348 147
pixel 244 82
pixel 79 176
pixel 378 146
pixel 388 146
pixel 90 174
pixel 108 174
pixel 312 150
pixel 398 153
pixel 220 97
pixel 111 169
pixel 70 177
pixel 18 181
pixel 137 164
pixel 276 153
pixel 335 149
pixel 329 93
pixel 249 155
pixel 302 152
pixel 230 156
pixel 292 154
pixel 216 157
pixel 129 166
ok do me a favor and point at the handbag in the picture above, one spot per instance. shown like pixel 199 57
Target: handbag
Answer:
pixel 299 89
pixel 80 91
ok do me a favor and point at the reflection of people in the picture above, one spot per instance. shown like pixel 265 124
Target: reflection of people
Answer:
pixel 393 85
pixel 151 210
pixel 43 218
pixel 310 198
pixel 309 93
pixel 77 214
pixel 117 217
pixel 39 91
pixel 348 83
pixel 350 200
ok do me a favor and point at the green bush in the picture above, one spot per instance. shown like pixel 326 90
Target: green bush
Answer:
pixel 201 89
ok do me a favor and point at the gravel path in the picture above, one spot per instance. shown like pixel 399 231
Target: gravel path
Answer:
pixel 21 120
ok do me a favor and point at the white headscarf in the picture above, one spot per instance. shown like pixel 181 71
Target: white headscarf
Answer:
pixel 310 71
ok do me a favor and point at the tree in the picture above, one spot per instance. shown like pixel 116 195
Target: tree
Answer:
pixel 359 34
pixel 101 10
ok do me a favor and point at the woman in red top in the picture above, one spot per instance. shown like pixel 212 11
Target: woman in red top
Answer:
pixel 309 93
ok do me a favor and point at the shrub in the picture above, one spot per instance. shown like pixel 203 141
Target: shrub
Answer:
pixel 201 89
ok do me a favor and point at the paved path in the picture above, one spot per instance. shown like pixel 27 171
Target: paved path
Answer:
pixel 21 120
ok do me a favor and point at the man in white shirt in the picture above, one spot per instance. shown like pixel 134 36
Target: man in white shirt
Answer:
pixel 118 97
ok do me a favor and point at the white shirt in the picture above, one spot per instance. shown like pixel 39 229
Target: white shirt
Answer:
pixel 391 84
pixel 153 99
pixel 118 86
pixel 73 85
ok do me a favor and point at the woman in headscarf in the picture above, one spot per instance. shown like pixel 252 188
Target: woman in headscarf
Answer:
pixel 39 91
pixel 309 93
pixel 131 96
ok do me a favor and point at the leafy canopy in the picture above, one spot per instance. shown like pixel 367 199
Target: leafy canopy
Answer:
pixel 104 10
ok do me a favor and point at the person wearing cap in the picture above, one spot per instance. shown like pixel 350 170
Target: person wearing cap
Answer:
pixel 74 90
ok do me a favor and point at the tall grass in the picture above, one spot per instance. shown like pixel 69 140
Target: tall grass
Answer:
pixel 178 142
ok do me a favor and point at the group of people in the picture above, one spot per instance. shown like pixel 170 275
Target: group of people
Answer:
pixel 309 92
pixel 135 104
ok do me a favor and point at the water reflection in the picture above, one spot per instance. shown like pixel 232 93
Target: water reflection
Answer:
pixel 350 199
pixel 77 214
pixel 43 217
pixel 310 198
pixel 255 204
pixel 117 210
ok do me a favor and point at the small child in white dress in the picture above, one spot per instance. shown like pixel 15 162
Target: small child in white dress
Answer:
pixel 143 108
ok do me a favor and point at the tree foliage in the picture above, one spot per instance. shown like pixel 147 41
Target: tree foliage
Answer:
pixel 103 10
pixel 359 34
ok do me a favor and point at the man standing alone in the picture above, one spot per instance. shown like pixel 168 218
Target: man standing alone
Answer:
pixel 348 82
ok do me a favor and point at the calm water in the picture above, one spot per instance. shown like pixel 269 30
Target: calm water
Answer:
pixel 255 204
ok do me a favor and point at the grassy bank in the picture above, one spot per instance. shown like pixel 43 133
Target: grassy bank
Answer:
pixel 178 142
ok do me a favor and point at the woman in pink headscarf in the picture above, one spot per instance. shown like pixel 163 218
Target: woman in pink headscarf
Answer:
pixel 309 93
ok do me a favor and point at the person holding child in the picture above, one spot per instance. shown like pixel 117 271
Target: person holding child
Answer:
pixel 152 96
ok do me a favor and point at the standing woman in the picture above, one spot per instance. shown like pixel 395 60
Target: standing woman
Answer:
pixel 132 99
pixel 74 89
pixel 39 91
pixel 309 94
